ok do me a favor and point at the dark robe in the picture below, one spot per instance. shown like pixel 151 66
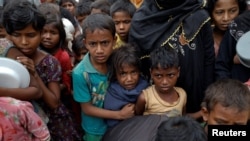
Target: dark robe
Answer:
pixel 187 29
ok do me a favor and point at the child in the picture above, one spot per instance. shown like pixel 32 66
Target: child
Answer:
pixel 90 77
pixel 24 23
pixel 20 122
pixel 226 102
pixel 163 97
pixel 182 128
pixel 100 6
pixel 122 12
pixel 79 49
pixel 82 10
pixel 222 13
pixel 126 83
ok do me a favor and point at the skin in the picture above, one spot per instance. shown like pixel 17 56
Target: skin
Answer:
pixel 27 41
pixel 122 24
pixel 224 12
pixel 221 115
pixel 50 37
pixel 128 76
pixel 69 6
pixel 100 44
pixel 82 53
pixel 164 81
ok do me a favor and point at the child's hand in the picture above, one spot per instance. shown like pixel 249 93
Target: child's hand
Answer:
pixel 28 63
pixel 127 111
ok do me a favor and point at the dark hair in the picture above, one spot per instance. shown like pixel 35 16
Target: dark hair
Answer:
pixel 83 8
pixel 103 5
pixel 164 57
pixel 126 54
pixel 211 3
pixel 228 93
pixel 56 21
pixel 71 1
pixel 181 128
pixel 77 45
pixel 123 5
pixel 19 14
pixel 98 21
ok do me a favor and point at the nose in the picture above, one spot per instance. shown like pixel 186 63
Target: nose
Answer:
pixel 46 35
pixel 121 26
pixel 226 16
pixel 99 48
pixel 165 80
pixel 24 40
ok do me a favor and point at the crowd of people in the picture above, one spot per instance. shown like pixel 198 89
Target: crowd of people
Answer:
pixel 124 69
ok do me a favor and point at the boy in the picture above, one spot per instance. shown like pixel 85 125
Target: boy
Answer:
pixel 90 77
pixel 122 12
pixel 226 102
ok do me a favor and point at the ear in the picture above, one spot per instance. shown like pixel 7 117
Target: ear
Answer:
pixel 204 113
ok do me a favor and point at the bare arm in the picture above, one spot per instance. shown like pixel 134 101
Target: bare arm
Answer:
pixel 30 93
pixel 126 112
pixel 140 105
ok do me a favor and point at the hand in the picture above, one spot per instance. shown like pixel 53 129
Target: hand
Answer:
pixel 127 111
pixel 28 63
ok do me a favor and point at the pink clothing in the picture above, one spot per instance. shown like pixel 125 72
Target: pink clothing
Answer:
pixel 19 122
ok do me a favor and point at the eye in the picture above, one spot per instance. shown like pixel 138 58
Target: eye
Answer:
pixel 92 44
pixel 105 43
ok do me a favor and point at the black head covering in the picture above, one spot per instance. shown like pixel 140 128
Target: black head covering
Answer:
pixel 240 25
pixel 153 25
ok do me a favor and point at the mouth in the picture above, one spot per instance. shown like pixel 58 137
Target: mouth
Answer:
pixel 45 43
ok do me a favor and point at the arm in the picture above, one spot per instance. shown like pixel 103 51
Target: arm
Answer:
pixel 126 112
pixel 30 93
pixel 51 90
pixel 140 105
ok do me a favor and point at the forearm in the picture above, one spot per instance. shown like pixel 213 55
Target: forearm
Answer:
pixel 49 97
pixel 91 110
pixel 27 94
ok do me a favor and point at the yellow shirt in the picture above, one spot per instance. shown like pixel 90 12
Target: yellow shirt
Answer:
pixel 137 3
pixel 155 105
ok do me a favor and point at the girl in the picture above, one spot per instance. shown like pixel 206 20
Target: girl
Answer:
pixel 54 42
pixel 163 97
pixel 24 23
pixel 126 82
pixel 222 13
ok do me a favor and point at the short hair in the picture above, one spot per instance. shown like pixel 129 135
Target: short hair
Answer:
pixel 211 3
pixel 164 57
pixel 71 1
pixel 83 8
pixel 182 128
pixel 19 14
pixel 103 5
pixel 125 54
pixel 77 44
pixel 229 93
pixel 124 6
pixel 98 21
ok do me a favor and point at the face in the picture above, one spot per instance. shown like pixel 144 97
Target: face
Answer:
pixel 80 55
pixel 164 79
pixel 3 33
pixel 50 36
pixel 220 115
pixel 224 12
pixel 26 40
pixel 122 24
pixel 69 6
pixel 100 44
pixel 81 18
pixel 128 76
